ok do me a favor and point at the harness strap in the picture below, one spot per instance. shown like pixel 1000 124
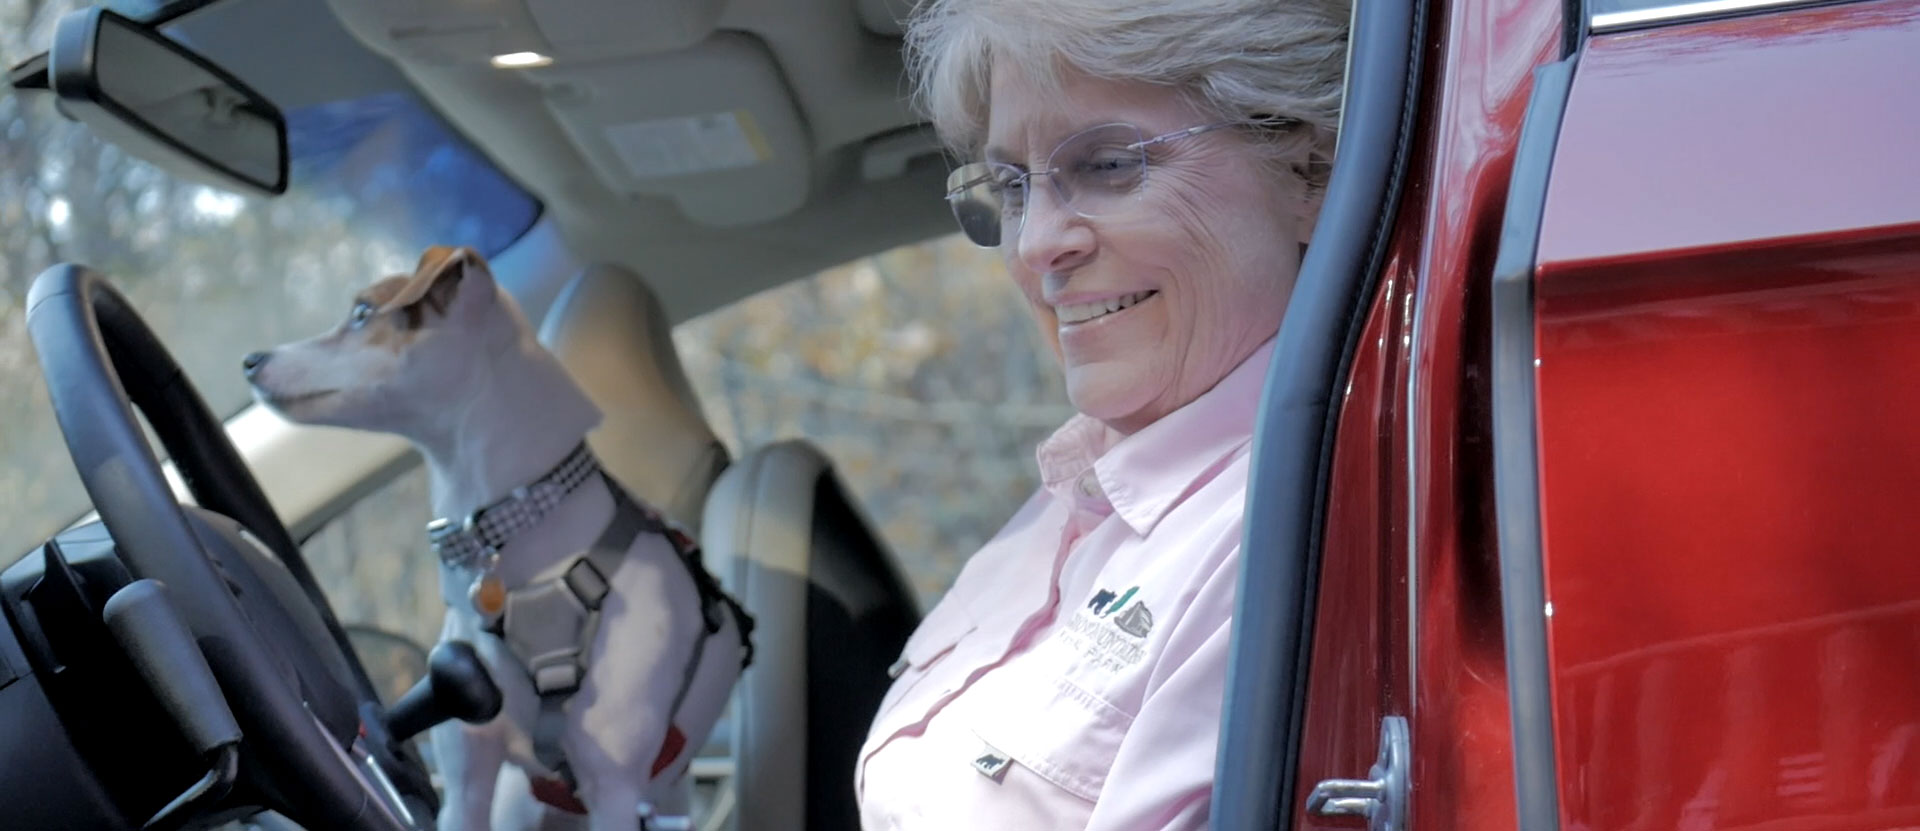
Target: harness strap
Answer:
pixel 712 597
pixel 590 578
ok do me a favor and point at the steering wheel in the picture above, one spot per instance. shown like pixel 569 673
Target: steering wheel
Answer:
pixel 282 660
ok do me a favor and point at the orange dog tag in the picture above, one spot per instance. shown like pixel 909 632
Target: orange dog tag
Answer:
pixel 489 596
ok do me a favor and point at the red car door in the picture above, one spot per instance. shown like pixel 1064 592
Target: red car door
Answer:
pixel 1623 484
pixel 1707 423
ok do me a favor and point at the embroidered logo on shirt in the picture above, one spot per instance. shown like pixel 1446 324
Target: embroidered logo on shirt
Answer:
pixel 1111 631
pixel 992 763
pixel 1136 621
pixel 1104 603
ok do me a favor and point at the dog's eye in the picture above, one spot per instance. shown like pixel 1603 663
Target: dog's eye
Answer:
pixel 361 313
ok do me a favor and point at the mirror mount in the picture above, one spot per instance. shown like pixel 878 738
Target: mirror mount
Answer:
pixel 30 74
pixel 161 102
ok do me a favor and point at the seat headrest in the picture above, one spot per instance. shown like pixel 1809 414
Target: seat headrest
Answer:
pixel 612 334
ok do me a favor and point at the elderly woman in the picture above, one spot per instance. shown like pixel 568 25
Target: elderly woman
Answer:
pixel 1150 172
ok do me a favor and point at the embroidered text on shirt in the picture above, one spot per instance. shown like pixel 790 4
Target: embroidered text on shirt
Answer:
pixel 1104 645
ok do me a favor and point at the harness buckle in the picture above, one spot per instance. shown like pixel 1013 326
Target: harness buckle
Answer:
pixel 587 583
pixel 549 625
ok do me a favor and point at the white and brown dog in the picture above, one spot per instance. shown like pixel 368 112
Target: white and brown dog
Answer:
pixel 613 648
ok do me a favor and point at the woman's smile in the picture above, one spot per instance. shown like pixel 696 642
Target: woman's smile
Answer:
pixel 1076 314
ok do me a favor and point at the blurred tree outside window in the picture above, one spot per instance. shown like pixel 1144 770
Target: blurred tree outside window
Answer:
pixel 375 179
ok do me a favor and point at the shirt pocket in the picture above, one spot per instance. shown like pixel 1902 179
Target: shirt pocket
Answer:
pixel 931 642
pixel 1051 726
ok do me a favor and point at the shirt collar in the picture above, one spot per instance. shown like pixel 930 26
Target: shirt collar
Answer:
pixel 1142 476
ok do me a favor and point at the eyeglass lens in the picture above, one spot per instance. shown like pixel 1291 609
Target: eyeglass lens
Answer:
pixel 1092 172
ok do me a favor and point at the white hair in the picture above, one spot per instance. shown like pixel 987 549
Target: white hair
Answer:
pixel 1257 61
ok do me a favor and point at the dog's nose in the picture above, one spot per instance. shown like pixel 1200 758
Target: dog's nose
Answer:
pixel 252 362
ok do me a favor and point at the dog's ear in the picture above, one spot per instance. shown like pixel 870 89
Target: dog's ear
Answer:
pixel 444 274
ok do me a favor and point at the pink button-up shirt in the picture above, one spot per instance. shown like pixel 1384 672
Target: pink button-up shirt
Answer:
pixel 1073 675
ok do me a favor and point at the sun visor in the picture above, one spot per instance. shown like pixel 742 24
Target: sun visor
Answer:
pixel 712 126
pixel 475 31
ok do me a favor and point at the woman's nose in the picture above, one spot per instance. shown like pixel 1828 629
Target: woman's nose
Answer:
pixel 1051 236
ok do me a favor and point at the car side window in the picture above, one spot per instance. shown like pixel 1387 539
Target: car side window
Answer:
pixel 919 371
pixel 373 562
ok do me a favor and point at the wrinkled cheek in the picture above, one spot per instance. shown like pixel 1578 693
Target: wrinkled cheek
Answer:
pixel 1050 333
pixel 1044 320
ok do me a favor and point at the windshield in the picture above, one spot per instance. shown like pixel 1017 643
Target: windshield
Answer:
pixel 375 179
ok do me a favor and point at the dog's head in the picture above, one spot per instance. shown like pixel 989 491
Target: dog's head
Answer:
pixel 408 344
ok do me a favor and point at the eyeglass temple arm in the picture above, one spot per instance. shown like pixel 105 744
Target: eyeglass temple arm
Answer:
pixel 961 188
pixel 1273 121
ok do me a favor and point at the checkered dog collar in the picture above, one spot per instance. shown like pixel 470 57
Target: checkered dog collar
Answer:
pixel 472 541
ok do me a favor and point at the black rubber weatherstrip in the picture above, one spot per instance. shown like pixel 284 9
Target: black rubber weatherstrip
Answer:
pixel 1293 443
pixel 1574 26
pixel 1516 454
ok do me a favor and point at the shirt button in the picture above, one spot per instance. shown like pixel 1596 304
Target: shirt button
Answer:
pixel 1089 485
pixel 897 668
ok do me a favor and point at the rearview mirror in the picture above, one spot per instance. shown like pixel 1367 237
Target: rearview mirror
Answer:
pixel 161 102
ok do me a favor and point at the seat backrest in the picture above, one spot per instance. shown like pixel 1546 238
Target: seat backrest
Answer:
pixel 612 334
pixel 832 612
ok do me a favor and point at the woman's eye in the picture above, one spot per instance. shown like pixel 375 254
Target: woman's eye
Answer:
pixel 1115 171
pixel 1108 163
pixel 360 314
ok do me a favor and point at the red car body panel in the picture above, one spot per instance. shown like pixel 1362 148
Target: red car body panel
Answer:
pixel 1728 380
pixel 1415 421
pixel 1478 90
pixel 1728 333
pixel 1360 647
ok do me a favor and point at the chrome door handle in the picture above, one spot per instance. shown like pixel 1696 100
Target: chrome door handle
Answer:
pixel 1382 799
pixel 1346 797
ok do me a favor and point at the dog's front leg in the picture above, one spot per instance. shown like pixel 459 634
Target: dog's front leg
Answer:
pixel 469 759
pixel 613 803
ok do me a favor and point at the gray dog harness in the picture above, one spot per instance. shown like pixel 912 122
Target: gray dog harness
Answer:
pixel 549 625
